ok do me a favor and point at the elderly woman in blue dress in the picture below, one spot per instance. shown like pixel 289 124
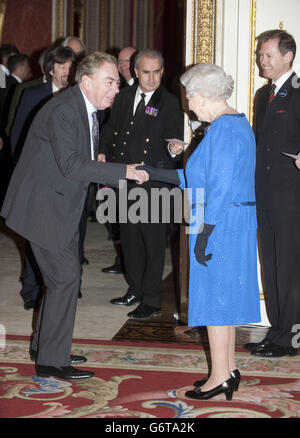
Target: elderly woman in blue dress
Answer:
pixel 223 287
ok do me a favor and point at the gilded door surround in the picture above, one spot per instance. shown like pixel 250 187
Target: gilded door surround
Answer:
pixel 204 14
pixel 64 18
pixel 2 16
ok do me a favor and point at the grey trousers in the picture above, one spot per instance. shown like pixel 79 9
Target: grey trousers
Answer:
pixel 61 273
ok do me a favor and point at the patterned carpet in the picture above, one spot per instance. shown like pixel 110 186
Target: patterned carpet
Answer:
pixel 142 380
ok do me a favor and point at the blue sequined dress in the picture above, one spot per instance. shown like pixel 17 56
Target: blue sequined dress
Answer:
pixel 226 291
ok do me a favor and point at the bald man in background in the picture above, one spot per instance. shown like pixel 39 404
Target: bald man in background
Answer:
pixel 125 64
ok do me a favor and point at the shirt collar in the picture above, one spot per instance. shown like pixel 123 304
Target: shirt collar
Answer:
pixel 282 80
pixel 147 95
pixel 89 106
pixel 17 78
pixel 55 89
pixel 6 71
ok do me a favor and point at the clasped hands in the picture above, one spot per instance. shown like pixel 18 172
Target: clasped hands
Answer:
pixel 140 176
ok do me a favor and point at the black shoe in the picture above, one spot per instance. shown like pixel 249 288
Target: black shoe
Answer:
pixel 126 301
pixel 273 350
pixel 29 304
pixel 225 388
pixel 143 312
pixel 251 346
pixel 114 269
pixel 68 373
pixel 236 377
pixel 74 360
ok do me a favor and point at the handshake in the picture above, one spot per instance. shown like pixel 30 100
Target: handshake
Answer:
pixel 140 176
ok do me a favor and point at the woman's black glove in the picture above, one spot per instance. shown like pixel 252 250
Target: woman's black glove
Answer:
pixel 169 176
pixel 201 244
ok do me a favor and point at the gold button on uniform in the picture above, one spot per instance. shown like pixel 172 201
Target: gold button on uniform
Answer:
pixel 147 140
pixel 145 151
pixel 124 142
pixel 127 132
pixel 115 133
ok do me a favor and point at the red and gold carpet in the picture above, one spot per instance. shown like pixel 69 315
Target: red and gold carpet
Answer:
pixel 142 380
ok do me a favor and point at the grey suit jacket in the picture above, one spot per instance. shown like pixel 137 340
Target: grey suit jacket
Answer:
pixel 48 188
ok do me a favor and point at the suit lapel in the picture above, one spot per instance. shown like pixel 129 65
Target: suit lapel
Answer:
pixel 81 108
pixel 281 95
pixel 279 102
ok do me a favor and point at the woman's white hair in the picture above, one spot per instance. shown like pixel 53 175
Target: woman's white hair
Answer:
pixel 209 80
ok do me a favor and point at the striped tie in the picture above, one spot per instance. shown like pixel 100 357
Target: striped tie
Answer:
pixel 95 135
pixel 271 93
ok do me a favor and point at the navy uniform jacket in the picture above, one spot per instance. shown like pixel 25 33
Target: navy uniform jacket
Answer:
pixel 277 128
pixel 142 140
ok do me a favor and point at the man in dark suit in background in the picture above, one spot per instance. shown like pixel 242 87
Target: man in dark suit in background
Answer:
pixel 6 51
pixel 18 92
pixel 142 118
pixel 126 70
pixel 126 65
pixel 76 44
pixel 277 128
pixel 19 71
pixel 46 196
pixel 58 63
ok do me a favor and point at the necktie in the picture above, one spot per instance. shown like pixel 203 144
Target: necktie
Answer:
pixel 95 134
pixel 141 105
pixel 271 93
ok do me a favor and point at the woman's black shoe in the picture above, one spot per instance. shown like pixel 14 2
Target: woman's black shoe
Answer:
pixel 225 388
pixel 235 374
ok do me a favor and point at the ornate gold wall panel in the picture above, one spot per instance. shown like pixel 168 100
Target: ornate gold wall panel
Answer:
pixel 204 31
pixel 252 60
pixel 59 19
pixel 2 16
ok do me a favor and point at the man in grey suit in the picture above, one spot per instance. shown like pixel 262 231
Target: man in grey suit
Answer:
pixel 46 197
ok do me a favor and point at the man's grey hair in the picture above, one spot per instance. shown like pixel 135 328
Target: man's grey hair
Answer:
pixel 91 64
pixel 149 53
pixel 73 38
pixel 209 80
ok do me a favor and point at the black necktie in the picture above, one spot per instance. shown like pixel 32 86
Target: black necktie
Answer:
pixel 95 134
pixel 141 105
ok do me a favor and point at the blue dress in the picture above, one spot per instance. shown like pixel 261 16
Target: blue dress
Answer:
pixel 226 291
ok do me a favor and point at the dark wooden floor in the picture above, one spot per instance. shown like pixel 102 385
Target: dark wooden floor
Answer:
pixel 168 328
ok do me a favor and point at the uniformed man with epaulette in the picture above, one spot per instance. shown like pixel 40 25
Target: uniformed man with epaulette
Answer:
pixel 142 118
